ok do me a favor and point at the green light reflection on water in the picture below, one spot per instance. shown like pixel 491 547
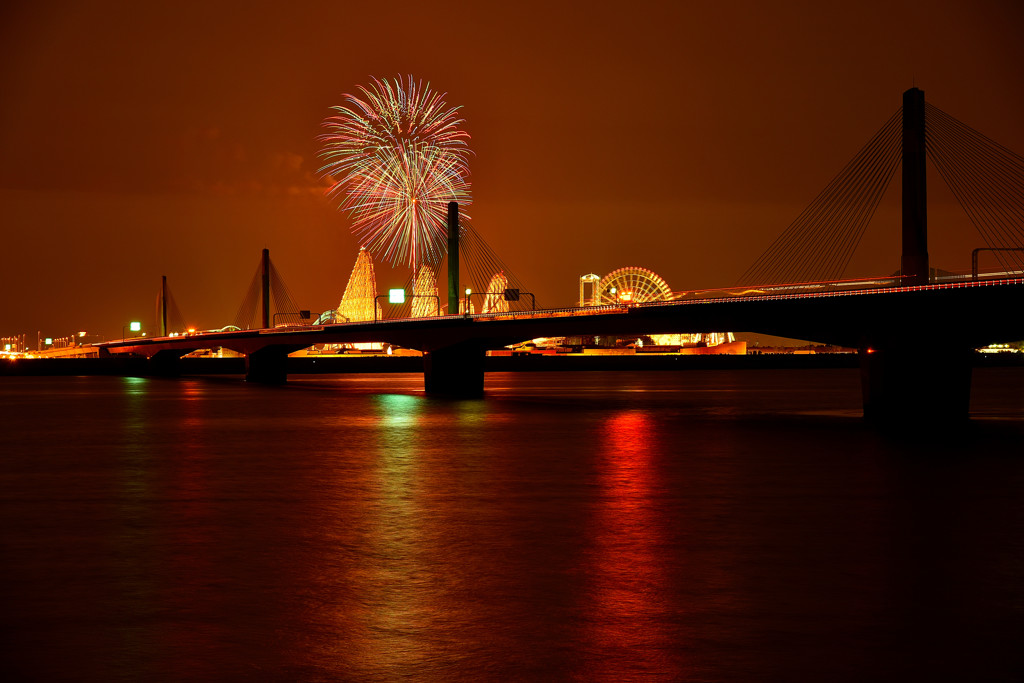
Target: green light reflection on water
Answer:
pixel 132 541
pixel 134 386
pixel 398 410
pixel 394 597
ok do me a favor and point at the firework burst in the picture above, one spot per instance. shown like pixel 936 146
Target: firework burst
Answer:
pixel 395 155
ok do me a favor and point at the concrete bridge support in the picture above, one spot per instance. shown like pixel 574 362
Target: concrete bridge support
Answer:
pixel 268 365
pixel 165 363
pixel 908 386
pixel 456 371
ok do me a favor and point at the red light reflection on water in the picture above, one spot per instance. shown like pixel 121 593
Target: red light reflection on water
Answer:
pixel 166 542
pixel 626 620
pixel 193 571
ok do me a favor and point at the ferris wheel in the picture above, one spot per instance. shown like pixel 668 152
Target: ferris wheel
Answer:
pixel 632 285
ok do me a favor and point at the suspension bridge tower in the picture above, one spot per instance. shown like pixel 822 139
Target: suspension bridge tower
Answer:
pixel 914 261
pixel 914 369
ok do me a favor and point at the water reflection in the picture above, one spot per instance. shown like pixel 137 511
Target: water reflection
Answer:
pixel 211 530
pixel 390 585
pixel 627 620
pixel 133 542
pixel 420 584
pixel 191 590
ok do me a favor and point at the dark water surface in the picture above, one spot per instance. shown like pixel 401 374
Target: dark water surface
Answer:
pixel 695 526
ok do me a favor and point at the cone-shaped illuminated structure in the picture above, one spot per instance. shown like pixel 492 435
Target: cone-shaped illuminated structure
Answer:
pixel 358 300
pixel 425 301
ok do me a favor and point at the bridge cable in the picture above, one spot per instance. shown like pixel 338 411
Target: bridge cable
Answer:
pixel 479 265
pixel 986 178
pixel 245 318
pixel 789 260
pixel 972 199
pixel 976 195
pixel 998 176
pixel 982 163
pixel 860 193
pixel 284 306
pixel 484 265
pixel 818 245
pixel 175 321
pixel 853 213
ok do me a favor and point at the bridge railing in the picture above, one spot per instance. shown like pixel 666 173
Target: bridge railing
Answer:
pixel 858 284
pixel 795 292
pixel 788 288
pixel 511 315
pixel 851 287
pixel 886 284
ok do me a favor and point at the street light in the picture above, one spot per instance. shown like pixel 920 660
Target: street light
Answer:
pixel 133 326
pixel 394 296
pixel 398 296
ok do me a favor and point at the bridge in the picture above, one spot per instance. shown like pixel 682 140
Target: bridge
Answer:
pixel 900 380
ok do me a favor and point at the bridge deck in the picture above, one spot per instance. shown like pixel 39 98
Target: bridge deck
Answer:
pixel 982 311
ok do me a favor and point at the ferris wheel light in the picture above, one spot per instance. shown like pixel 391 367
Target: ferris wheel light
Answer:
pixel 633 285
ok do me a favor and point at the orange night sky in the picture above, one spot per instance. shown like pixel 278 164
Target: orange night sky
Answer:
pixel 148 139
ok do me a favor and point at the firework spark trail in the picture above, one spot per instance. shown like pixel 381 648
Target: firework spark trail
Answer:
pixel 395 157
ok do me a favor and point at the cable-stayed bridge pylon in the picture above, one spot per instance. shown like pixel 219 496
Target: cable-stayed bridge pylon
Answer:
pixel 986 178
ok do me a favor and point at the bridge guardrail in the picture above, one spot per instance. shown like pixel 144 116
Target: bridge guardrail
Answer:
pixel 811 290
pixel 729 296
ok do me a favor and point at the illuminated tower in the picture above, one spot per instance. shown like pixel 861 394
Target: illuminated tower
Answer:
pixel 588 289
pixel 494 299
pixel 425 302
pixel 358 300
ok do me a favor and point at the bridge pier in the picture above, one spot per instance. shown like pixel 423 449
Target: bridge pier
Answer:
pixel 903 385
pixel 165 363
pixel 268 365
pixel 456 371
